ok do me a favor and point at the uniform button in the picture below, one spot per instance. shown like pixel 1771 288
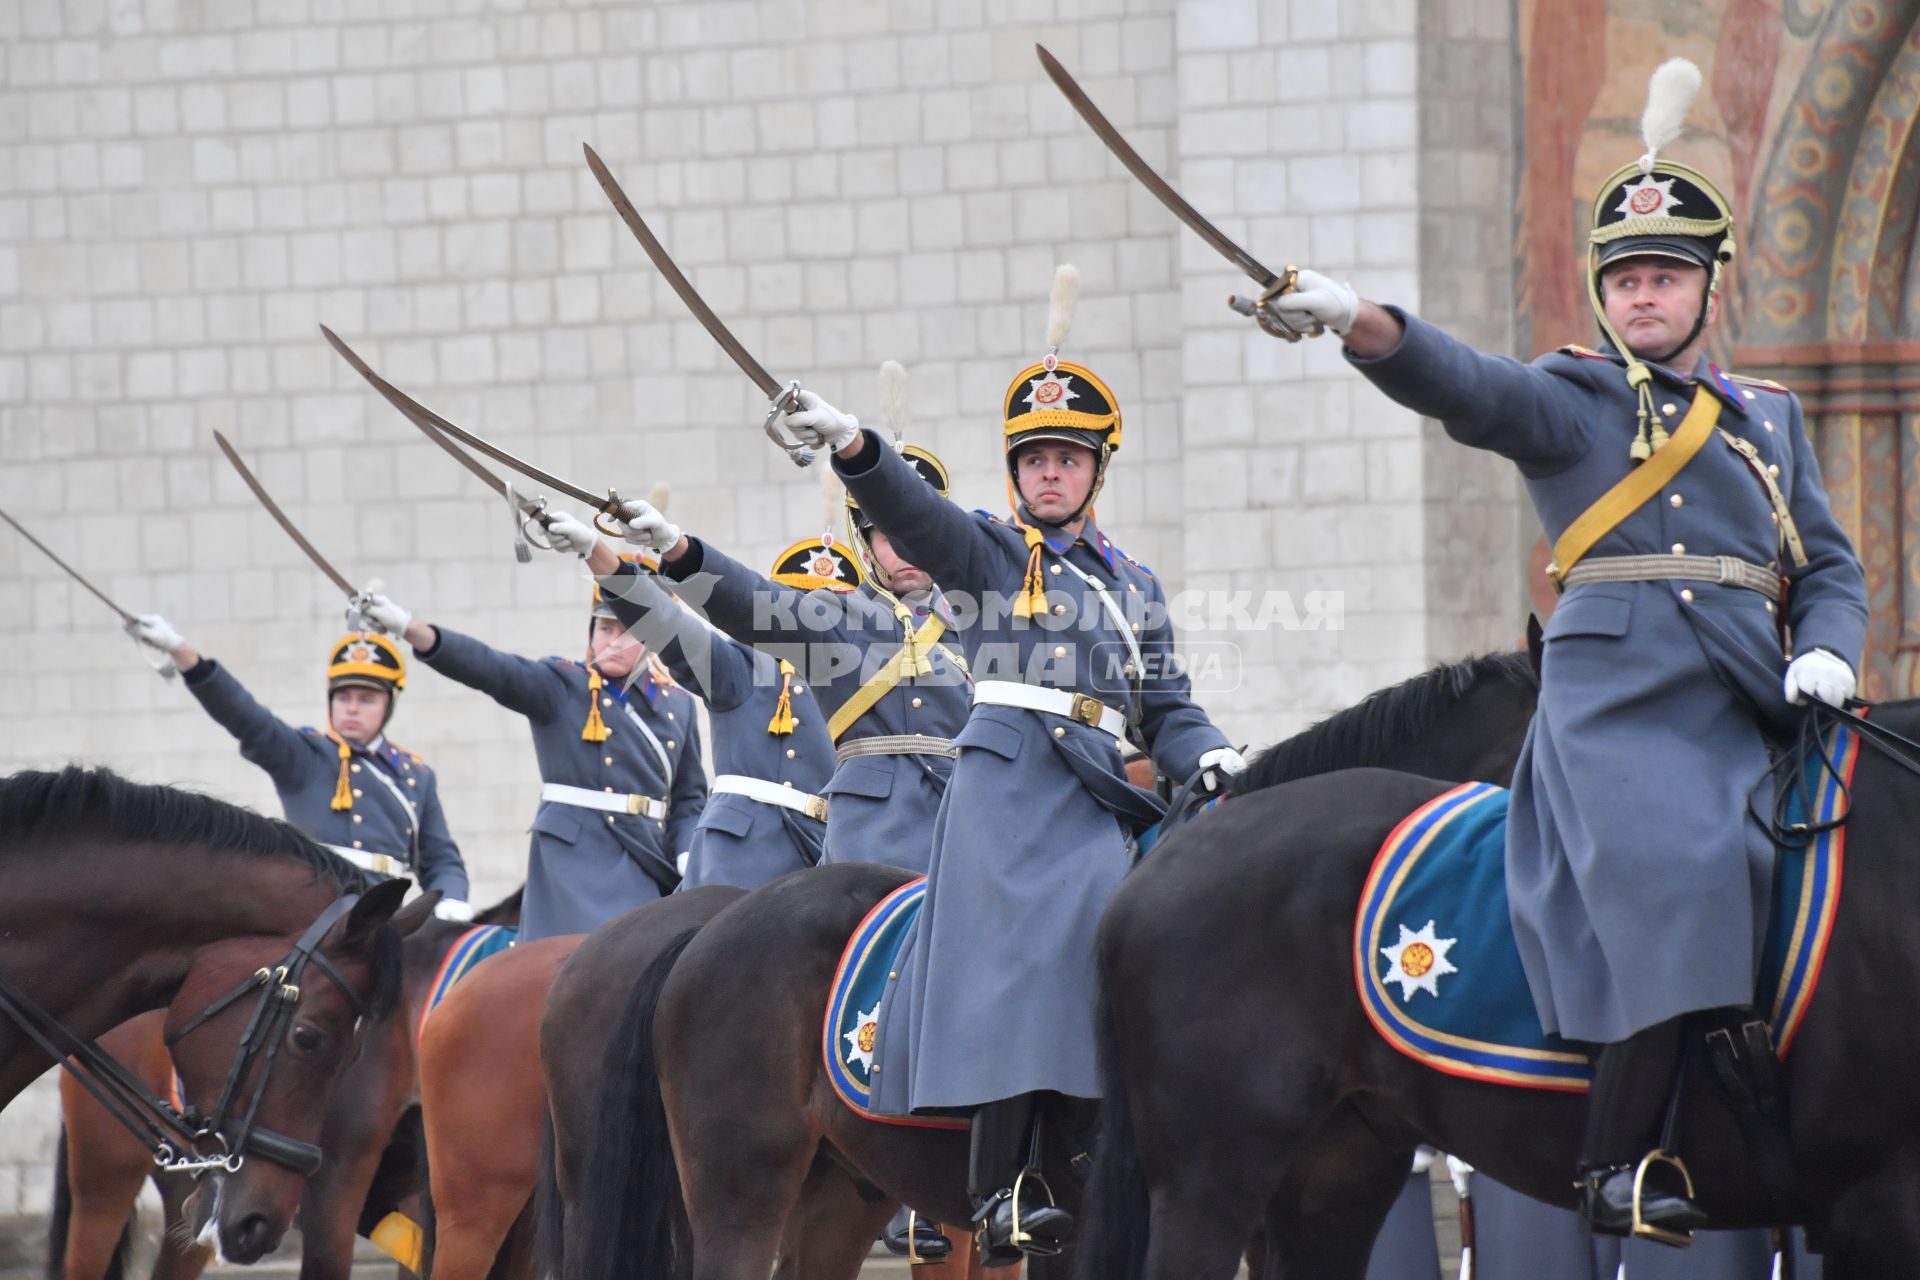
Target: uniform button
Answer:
pixel 608 760
pixel 412 783
pixel 1679 548
pixel 1059 731
pixel 1059 609
pixel 789 753
pixel 356 844
pixel 1136 628
pixel 916 702
pixel 1748 394
pixel 1768 425
pixel 670 715
pixel 1054 569
pixel 1059 651
pixel 1773 469
pixel 1127 671
pixel 1676 501
pixel 671 744
pixel 606 702
pixel 799 689
pixel 1686 594
pixel 357 793
pixel 609 819
pixel 357 819
pixel 1133 586
pixel 786 784
pixel 354 767
pixel 608 790
pixel 1668 408
pixel 1769 605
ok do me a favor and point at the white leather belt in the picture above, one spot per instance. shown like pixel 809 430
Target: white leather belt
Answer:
pixel 381 864
pixel 739 784
pixel 1088 710
pixel 604 801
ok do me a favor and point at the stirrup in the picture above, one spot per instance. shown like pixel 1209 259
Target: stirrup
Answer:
pixel 1020 1238
pixel 1647 1230
pixel 913 1240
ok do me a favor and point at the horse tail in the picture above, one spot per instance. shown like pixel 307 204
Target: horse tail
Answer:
pixel 629 1218
pixel 60 1220
pixel 1111 1241
pixel 549 1210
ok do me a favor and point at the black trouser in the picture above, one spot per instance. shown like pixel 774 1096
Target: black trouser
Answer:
pixel 1001 1139
pixel 1632 1084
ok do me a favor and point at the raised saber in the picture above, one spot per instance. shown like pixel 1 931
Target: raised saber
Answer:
pixel 127 620
pixel 280 517
pixel 783 397
pixel 1273 284
pixel 526 512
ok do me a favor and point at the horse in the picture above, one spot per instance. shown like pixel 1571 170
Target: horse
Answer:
pixel 723 1050
pixel 1301 1118
pixel 102 1166
pixel 267 952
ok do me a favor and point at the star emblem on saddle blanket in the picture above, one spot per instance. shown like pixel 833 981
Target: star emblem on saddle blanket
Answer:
pixel 1418 961
pixel 860 1040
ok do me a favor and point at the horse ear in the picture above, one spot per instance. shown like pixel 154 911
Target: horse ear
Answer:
pixel 1536 642
pixel 408 919
pixel 376 906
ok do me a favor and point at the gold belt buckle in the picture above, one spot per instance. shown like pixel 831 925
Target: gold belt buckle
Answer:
pixel 634 806
pixel 817 808
pixel 1087 710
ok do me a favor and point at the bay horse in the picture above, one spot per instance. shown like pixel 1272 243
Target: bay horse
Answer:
pixel 721 1051
pixel 1237 935
pixel 267 952
pixel 102 1166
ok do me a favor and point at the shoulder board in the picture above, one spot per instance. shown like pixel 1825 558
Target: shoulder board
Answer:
pixel 1135 563
pixel 992 518
pixel 1768 383
pixel 1585 353
pixel 409 753
pixel 309 729
pixel 565 662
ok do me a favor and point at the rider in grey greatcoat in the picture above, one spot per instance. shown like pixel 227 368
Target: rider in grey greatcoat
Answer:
pixel 622 782
pixel 1071 651
pixel 348 786
pixel 1638 875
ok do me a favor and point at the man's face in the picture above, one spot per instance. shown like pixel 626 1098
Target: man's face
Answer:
pixel 358 712
pixel 1054 477
pixel 1652 302
pixel 897 573
pixel 614 651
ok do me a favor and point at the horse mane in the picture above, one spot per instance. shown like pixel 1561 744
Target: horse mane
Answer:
pixel 35 805
pixel 1361 734
pixel 506 911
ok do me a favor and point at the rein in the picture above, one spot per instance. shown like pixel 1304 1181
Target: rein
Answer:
pixel 174 1138
pixel 1814 743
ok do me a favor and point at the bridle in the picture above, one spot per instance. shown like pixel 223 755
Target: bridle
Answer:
pixel 179 1139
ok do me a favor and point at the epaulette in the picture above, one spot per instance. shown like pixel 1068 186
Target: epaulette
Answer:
pixel 992 518
pixel 1766 383
pixel 409 753
pixel 1585 353
pixel 1135 563
pixel 307 728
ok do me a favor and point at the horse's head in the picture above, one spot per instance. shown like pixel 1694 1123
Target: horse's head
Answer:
pixel 260 1032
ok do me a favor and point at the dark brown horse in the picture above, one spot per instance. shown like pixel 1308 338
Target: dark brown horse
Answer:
pixel 1307 1123
pixel 720 1049
pixel 103 1166
pixel 117 898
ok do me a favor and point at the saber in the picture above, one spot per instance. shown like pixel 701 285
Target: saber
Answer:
pixel 127 620
pixel 280 517
pixel 1273 284
pixel 435 428
pixel 782 398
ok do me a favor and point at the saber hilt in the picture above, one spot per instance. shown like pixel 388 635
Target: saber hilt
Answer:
pixel 1269 319
pixel 161 662
pixel 519 520
pixel 786 402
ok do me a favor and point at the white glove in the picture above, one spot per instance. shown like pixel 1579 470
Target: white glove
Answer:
pixel 1318 300
pixel 453 909
pixel 819 424
pixel 152 629
pixel 642 524
pixel 1222 764
pixel 1819 674
pixel 382 613
pixel 567 532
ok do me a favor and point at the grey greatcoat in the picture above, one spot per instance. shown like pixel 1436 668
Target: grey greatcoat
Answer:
pixel 879 808
pixel 396 797
pixel 1638 877
pixel 585 867
pixel 995 996
pixel 740 841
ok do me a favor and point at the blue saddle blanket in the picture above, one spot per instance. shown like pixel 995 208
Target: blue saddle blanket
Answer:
pixel 1440 975
pixel 468 950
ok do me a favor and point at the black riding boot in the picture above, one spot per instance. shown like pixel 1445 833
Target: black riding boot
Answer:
pixel 908 1235
pixel 1004 1155
pixel 1633 1083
